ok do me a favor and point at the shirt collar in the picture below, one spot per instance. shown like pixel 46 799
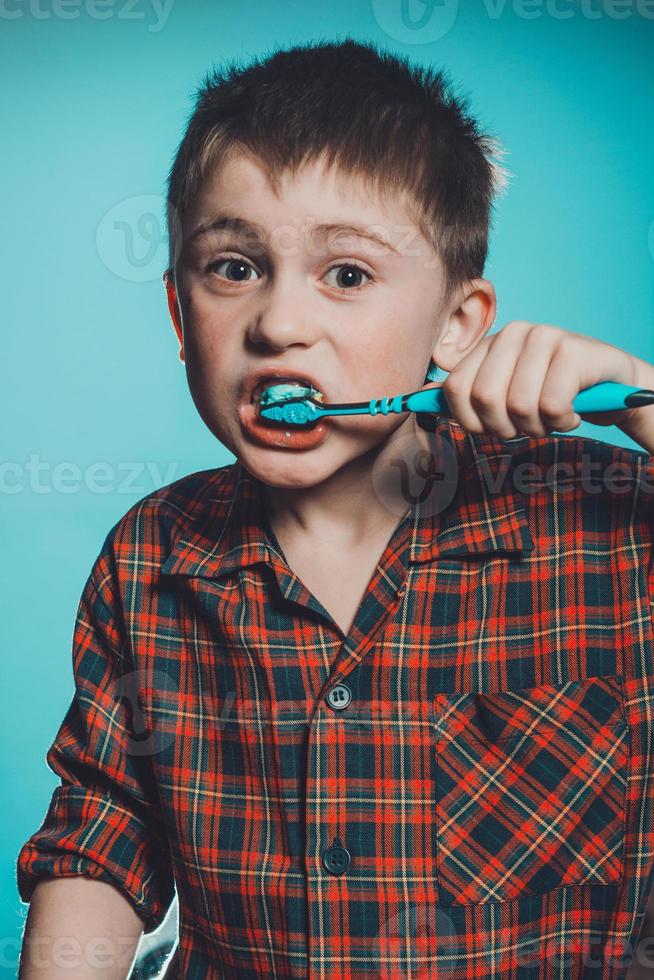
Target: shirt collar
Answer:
pixel 485 514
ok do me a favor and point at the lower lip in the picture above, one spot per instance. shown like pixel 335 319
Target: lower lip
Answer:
pixel 276 436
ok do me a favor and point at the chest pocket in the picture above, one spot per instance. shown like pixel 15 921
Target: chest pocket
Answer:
pixel 530 788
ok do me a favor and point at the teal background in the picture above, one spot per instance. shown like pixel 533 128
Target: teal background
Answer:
pixel 92 114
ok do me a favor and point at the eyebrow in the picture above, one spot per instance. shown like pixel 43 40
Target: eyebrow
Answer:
pixel 240 226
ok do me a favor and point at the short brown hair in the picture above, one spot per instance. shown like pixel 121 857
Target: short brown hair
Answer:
pixel 373 114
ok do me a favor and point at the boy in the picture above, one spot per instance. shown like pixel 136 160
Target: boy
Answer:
pixel 363 734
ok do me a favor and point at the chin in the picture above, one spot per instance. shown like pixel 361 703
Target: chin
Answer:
pixel 285 470
pixel 293 470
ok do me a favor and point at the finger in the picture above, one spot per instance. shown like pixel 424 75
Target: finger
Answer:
pixel 559 389
pixel 491 386
pixel 524 394
pixel 482 402
pixel 616 417
pixel 458 383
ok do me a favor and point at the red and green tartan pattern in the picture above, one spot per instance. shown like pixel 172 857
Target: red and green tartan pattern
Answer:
pixel 492 776
pixel 531 790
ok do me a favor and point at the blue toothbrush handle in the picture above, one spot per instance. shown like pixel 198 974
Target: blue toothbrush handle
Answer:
pixel 607 396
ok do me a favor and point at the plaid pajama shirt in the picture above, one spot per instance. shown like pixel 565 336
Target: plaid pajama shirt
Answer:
pixel 461 787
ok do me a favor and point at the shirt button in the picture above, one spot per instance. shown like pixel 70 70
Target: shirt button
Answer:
pixel 336 858
pixel 339 697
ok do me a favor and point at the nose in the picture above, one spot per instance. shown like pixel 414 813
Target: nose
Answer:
pixel 285 318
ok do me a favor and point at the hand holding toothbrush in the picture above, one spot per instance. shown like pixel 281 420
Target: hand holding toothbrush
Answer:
pixel 523 380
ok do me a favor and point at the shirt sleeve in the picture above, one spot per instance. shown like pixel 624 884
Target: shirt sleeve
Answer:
pixel 103 821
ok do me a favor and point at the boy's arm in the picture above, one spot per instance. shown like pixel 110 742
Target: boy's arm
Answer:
pixel 103 821
pixel 79 929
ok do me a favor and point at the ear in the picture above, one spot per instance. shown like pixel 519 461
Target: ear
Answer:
pixel 468 320
pixel 173 307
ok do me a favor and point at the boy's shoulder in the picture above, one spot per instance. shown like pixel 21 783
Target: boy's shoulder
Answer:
pixel 542 497
pixel 559 454
pixel 569 446
pixel 185 503
pixel 193 508
pixel 595 485
pixel 588 465
pixel 529 492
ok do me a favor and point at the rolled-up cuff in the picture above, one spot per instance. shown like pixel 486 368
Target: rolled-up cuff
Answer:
pixel 88 833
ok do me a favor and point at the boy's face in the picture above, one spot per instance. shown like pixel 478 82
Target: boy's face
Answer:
pixel 277 299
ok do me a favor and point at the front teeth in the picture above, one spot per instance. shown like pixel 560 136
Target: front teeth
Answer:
pixel 284 390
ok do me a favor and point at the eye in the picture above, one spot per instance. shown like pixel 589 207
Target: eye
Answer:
pixel 348 282
pixel 235 264
pixel 237 270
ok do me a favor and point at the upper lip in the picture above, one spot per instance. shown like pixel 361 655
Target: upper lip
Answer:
pixel 256 379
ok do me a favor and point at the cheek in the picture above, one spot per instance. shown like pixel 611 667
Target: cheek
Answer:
pixel 211 366
pixel 203 318
pixel 208 335
pixel 391 359
pixel 203 345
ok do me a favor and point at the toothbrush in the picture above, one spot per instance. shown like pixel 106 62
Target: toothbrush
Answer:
pixel 298 404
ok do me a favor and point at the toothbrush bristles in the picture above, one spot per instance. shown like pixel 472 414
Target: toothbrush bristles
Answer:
pixel 298 412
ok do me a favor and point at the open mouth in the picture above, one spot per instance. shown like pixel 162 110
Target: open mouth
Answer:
pixel 272 434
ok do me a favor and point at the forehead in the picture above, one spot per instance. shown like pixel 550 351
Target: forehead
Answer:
pixel 317 194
